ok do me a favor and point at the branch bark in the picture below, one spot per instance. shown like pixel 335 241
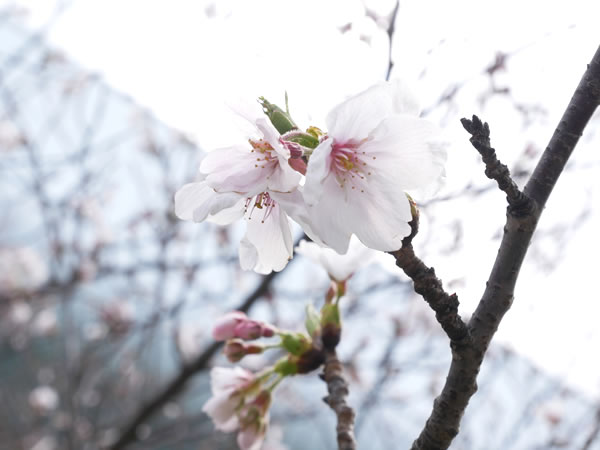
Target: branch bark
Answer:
pixel 461 383
pixel 338 391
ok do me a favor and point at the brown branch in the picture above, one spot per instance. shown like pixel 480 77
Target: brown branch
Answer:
pixel 430 287
pixel 337 387
pixel 448 408
pixel 177 384
pixel 519 203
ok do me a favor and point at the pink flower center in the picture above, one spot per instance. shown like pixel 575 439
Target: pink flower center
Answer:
pixel 349 164
pixel 261 201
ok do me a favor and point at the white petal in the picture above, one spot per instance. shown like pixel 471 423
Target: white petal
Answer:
pixel 328 217
pixel 403 100
pixel 229 215
pixel 197 201
pixel 378 216
pixel 188 198
pixel 272 239
pixel 248 255
pixel 316 171
pixel 405 153
pixel 359 115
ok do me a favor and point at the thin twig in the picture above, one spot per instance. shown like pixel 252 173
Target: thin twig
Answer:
pixel 519 203
pixel 337 387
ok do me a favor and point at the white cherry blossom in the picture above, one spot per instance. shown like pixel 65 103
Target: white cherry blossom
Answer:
pixel 254 183
pixel 227 385
pixel 338 267
pixel 376 149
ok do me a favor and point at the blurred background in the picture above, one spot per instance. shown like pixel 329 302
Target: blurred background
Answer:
pixel 107 299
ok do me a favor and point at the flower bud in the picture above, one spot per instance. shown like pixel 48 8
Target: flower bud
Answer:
pixel 331 325
pixel 248 330
pixel 236 349
pixel 313 321
pixel 280 119
pixel 225 327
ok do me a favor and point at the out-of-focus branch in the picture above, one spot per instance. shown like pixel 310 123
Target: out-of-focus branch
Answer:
pixel 176 385
pixel 337 387
pixel 444 421
pixel 390 32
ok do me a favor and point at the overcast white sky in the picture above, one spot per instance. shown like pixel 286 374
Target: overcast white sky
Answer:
pixel 185 60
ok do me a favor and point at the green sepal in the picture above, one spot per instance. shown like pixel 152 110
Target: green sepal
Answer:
pixel 281 120
pixel 304 139
pixel 286 367
pixel 295 343
pixel 313 321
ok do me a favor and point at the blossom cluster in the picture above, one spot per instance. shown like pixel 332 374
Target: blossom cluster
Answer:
pixel 240 398
pixel 350 180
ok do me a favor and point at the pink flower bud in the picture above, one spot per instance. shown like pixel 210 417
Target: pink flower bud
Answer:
pixel 225 327
pixel 248 330
pixel 236 349
pixel 268 330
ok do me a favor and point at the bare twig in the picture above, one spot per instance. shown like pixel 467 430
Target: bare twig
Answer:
pixel 338 391
pixel 519 203
pixel 444 421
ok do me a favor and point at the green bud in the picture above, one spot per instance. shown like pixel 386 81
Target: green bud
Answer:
pixel 286 367
pixel 331 326
pixel 304 139
pixel 313 321
pixel 295 343
pixel 280 119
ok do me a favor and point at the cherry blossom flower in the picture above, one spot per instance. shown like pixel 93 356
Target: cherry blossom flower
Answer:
pixel 228 385
pixel 375 150
pixel 236 405
pixel 252 182
pixel 338 267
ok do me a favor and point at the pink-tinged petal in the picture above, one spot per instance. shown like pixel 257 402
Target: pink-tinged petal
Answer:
pixel 226 379
pixel 403 150
pixel 251 437
pixel 221 408
pixel 237 169
pixel 224 327
pixel 248 330
pixel 271 135
pixel 317 170
pixel 271 237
